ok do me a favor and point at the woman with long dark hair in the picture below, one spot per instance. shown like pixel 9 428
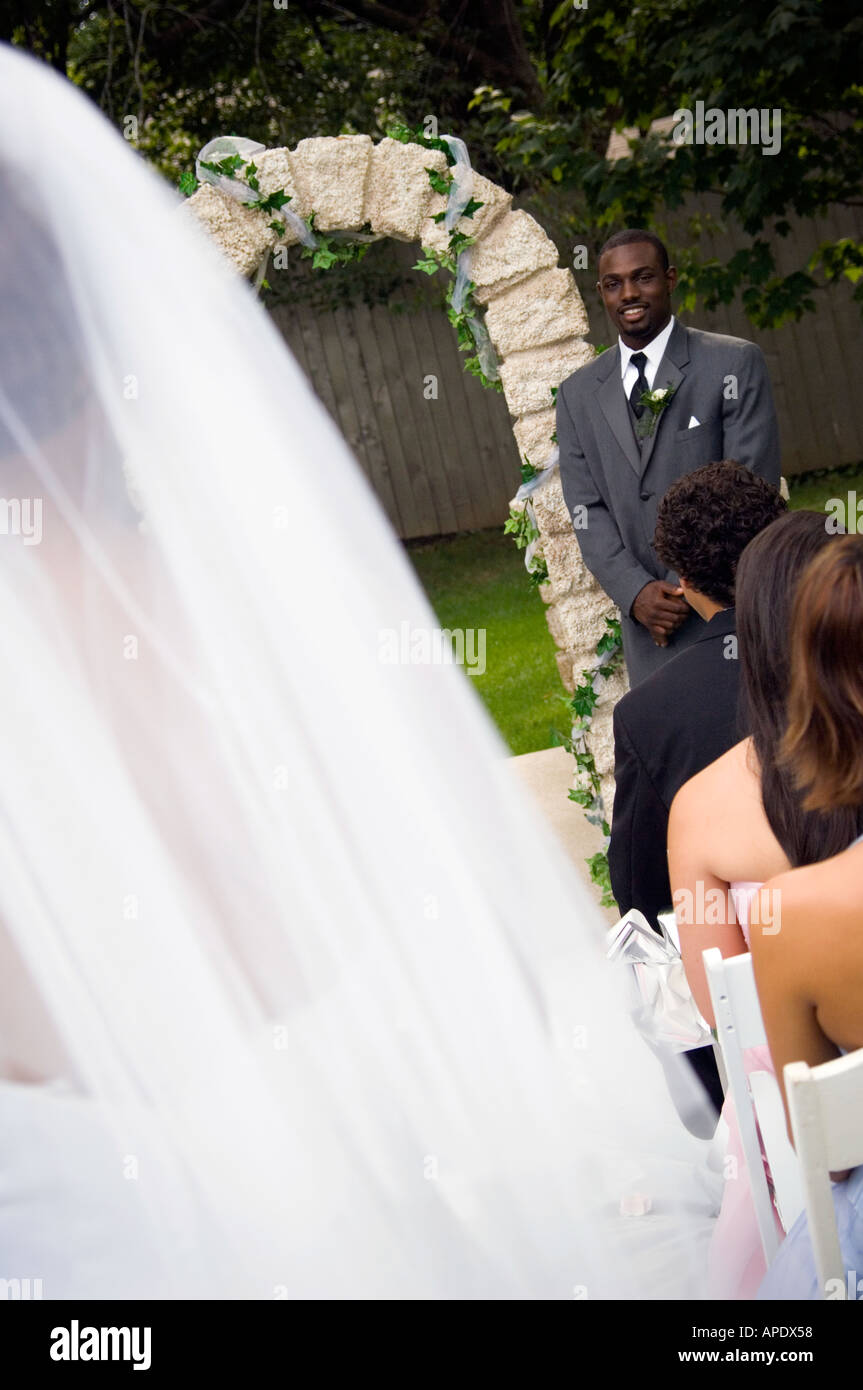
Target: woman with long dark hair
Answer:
pixel 810 975
pixel 742 821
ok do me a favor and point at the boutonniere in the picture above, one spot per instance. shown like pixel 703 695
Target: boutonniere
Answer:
pixel 654 403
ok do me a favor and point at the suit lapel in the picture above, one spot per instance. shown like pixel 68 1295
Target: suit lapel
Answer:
pixel 616 411
pixel 669 373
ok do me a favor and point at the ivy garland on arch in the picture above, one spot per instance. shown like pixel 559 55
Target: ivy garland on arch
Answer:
pixel 521 525
pixel 328 249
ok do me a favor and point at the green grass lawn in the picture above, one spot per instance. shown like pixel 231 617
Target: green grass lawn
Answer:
pixel 478 580
pixel 812 490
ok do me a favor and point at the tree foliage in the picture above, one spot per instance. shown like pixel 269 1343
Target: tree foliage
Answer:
pixel 626 66
pixel 535 87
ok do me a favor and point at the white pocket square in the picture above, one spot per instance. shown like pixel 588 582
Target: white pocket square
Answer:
pixel 693 422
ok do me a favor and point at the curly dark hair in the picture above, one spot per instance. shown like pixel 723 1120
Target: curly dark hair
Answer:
pixel 707 518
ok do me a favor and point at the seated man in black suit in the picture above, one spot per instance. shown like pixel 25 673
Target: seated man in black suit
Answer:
pixel 685 715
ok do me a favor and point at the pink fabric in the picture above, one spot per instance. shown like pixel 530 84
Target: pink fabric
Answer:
pixel 736 1264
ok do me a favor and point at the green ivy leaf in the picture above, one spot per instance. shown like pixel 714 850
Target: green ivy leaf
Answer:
pixel 584 701
pixel 458 242
pixel 465 337
pixel 583 798
pixel 439 182
pixel 399 131
pixel 227 166
pixel 274 201
pixel 520 527
pixel 601 876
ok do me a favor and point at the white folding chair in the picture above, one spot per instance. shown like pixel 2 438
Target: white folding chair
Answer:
pixel 739 1026
pixel 826 1108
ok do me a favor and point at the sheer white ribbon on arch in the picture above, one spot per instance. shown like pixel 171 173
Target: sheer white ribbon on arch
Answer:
pixel 297 998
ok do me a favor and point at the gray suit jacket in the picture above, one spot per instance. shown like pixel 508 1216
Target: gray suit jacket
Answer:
pixel 721 382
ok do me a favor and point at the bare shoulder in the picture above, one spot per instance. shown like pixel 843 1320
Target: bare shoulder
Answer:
pixel 815 954
pixel 791 899
pixel 820 906
pixel 718 815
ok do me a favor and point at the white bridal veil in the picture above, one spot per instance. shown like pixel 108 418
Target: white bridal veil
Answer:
pixel 297 997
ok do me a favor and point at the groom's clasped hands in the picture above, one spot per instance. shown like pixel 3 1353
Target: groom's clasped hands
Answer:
pixel 661 608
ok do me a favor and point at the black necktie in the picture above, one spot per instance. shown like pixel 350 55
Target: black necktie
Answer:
pixel 638 360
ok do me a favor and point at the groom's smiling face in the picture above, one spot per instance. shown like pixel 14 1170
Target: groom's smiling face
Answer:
pixel 636 291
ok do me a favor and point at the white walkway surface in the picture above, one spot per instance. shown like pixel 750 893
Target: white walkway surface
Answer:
pixel 547 776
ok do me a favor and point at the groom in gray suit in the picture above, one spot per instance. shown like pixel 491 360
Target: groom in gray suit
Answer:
pixel 618 455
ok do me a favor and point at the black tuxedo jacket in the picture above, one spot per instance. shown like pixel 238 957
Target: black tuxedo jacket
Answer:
pixel 668 728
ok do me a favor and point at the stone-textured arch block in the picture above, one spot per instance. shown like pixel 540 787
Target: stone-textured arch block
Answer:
pixel 547 308
pixel 275 174
pixel 515 247
pixel 330 173
pixel 566 670
pixel 602 733
pixel 577 621
pixel 567 572
pixel 241 232
pixel 533 435
pixel 528 377
pixel 398 192
pixel 495 203
pixel 552 513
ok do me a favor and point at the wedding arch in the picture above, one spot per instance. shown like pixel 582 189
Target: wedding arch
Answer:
pixel 515 299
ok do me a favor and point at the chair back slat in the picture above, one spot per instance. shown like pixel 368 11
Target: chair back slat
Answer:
pixel 737 1018
pixel 826 1108
pixel 739 984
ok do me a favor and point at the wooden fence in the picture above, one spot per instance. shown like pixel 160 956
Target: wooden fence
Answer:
pixel 435 443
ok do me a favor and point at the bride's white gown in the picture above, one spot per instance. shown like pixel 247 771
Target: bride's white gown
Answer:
pixel 297 997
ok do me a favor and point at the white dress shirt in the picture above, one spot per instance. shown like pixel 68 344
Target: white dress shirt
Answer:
pixel 654 352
